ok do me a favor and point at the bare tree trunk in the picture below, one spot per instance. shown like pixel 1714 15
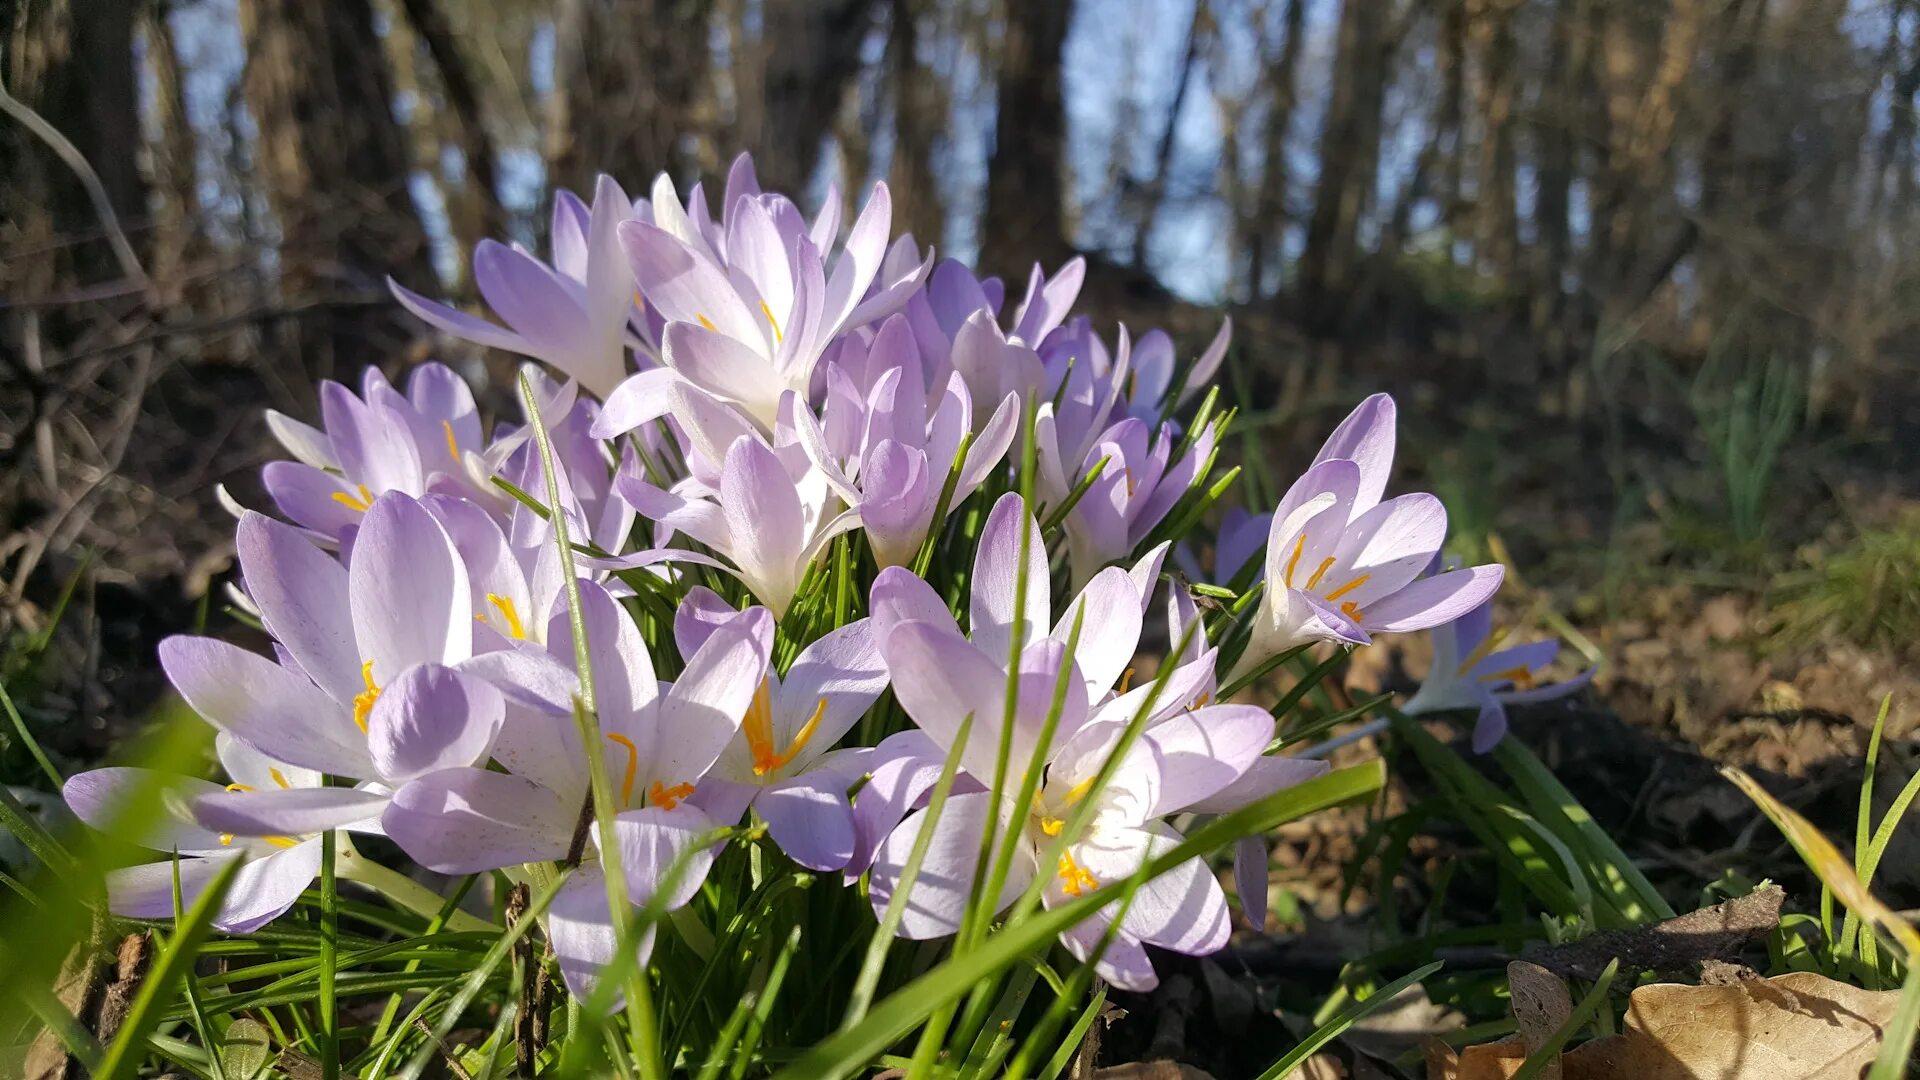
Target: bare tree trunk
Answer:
pixel 335 167
pixel 1026 191
pixel 1269 227
pixel 481 214
pixel 1156 187
pixel 1558 121
pixel 811 55
pixel 1498 228
pixel 630 79
pixel 1349 164
pixel 919 113
pixel 173 155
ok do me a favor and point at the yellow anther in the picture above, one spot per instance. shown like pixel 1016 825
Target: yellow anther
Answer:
pixel 453 444
pixel 1126 680
pixel 758 726
pixel 363 701
pixel 226 839
pixel 1299 546
pixel 509 616
pixel 1313 582
pixel 666 798
pixel 633 766
pixel 778 337
pixel 358 505
pixel 1074 878
pixel 281 841
pixel 243 787
pixel 1520 677
pixel 279 777
pixel 1202 701
pixel 1052 825
pixel 704 321
pixel 1078 791
pixel 1351 610
pixel 1347 588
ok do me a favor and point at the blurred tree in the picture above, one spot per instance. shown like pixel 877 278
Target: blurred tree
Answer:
pixel 1026 189
pixel 334 164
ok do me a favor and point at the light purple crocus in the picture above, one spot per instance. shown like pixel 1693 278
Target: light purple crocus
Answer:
pixel 1343 565
pixel 146 808
pixel 941 680
pixel 1134 492
pixel 577 313
pixel 366 688
pixel 1146 392
pixel 783 764
pixel 749 309
pixel 660 739
pixel 772 517
pixel 1471 673
pixel 886 449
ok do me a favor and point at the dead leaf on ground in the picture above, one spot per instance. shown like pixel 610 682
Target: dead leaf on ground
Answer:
pixel 1541 1004
pixel 1321 1067
pixel 1401 1024
pixel 1152 1070
pixel 1801 1026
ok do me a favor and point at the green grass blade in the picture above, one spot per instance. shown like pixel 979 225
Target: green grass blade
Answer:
pixel 1896 1046
pixel 1348 1017
pixel 1549 1051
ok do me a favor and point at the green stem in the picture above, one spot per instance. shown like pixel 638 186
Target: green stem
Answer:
pixel 350 865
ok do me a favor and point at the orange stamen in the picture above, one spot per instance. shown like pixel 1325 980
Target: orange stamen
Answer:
pixel 358 505
pixel 1299 546
pixel 633 766
pixel 363 701
pixel 666 798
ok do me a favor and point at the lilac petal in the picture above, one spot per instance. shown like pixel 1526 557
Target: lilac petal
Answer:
pixel 442 396
pixel 1108 614
pixel 899 595
pixel 996 568
pixel 1204 751
pixel 702 711
pixel 1125 964
pixel 1204 368
pixel 623 677
pixel 683 284
pixel 939 679
pixel 567 234
pixel 432 718
pixel 541 305
pixel 764 519
pixel 904 768
pixel 661 849
pixel 373 443
pixel 698 518
pixel 1321 621
pixel 724 801
pixel 302 595
pixel 580 929
pixel 1185 909
pixel 262 890
pixel 460 324
pixel 1366 438
pixel 1435 600
pixel 308 444
pixel 844 670
pixel 1145 574
pixel 289 812
pixel 811 820
pixel 306 495
pixel 136 805
pixel 1391 544
pixel 944 889
pixel 1490 727
pixel 700 613
pixel 1264 777
pixel 990 446
pixel 722 366
pixel 411 603
pixel 1239 540
pixel 860 258
pixel 1550 691
pixel 1250 878
pixel 279 712
pixel 899 505
pixel 464 821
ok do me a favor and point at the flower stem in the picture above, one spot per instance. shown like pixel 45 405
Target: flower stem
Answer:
pixel 401 889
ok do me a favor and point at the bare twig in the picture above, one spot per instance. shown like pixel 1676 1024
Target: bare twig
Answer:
pixel 90 180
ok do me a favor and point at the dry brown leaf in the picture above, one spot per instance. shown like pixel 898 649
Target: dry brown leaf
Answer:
pixel 1803 1026
pixel 1401 1024
pixel 1152 1070
pixel 1541 1004
pixel 1321 1067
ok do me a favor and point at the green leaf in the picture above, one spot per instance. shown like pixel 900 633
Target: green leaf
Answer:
pixel 245 1049
pixel 130 1048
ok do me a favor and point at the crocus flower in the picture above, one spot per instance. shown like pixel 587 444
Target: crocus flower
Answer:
pixel 1107 610
pixel 365 689
pixel 146 808
pixel 660 740
pixel 940 681
pixel 749 321
pixel 1134 492
pixel 576 314
pixel 1342 565
pixel 1472 673
pixel 783 763
pixel 772 518
pixel 895 446
pixel 1146 392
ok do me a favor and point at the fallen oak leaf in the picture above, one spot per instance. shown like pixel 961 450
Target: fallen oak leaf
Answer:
pixel 1541 1004
pixel 1801 1025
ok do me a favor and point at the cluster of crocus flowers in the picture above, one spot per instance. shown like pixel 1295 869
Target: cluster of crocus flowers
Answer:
pixel 785 461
